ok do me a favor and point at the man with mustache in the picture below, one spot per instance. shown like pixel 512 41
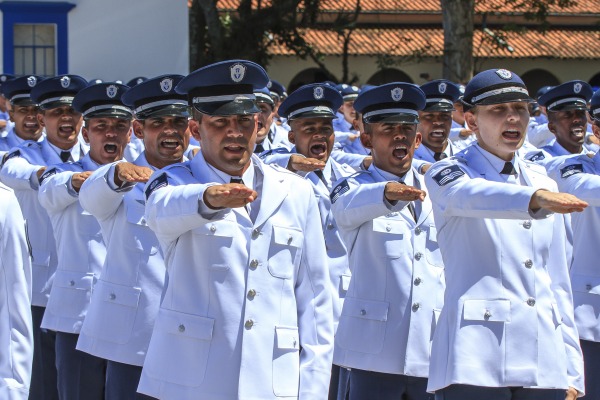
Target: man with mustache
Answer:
pixel 397 286
pixel 133 274
pixel 23 166
pixel 248 285
pixel 435 121
pixel 80 248
pixel 507 329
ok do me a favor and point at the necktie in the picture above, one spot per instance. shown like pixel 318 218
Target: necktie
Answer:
pixel 411 207
pixel 240 180
pixel 439 156
pixel 271 135
pixel 509 169
pixel 65 155
pixel 319 173
pixel 259 148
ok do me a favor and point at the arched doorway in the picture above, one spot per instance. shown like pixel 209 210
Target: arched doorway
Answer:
pixel 538 78
pixel 388 75
pixel 310 75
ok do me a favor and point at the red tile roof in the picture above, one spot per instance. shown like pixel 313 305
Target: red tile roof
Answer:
pixel 557 44
pixel 431 6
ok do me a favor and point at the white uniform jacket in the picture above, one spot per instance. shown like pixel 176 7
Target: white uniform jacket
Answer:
pixel 242 297
pixel 579 175
pixel 19 173
pixel 556 150
pixel 397 286
pixel 16 334
pixel 508 312
pixel 79 246
pixel 426 154
pixel 125 301
pixel 339 271
pixel 9 141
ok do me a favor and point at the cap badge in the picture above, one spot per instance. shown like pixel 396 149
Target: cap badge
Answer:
pixel 397 94
pixel 65 81
pixel 269 85
pixel 166 85
pixel 442 87
pixel 31 81
pixel 577 87
pixel 344 86
pixel 237 72
pixel 111 91
pixel 318 93
pixel 3 78
pixel 139 80
pixel 504 74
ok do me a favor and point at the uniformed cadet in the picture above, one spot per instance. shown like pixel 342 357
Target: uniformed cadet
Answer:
pixel 269 135
pixel 16 332
pixel 397 282
pixel 5 124
pixel 22 168
pixel 507 328
pixel 566 106
pixel 580 176
pixel 23 113
pixel 248 284
pixel 80 248
pixel 538 133
pixel 346 133
pixel 435 121
pixel 135 147
pixel 460 134
pixel 279 94
pixel 310 110
pixel 127 295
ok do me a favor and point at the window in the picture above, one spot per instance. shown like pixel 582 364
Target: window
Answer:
pixel 35 37
pixel 34 49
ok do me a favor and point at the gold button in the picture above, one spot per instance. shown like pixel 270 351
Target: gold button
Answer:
pixel 418 256
pixel 487 315
pixel 417 281
pixel 527 224
pixel 251 293
pixel 531 302
pixel 213 228
pixel 418 230
pixel 249 324
pixel 255 233
pixel 528 263
pixel 181 328
pixel 416 306
pixel 254 263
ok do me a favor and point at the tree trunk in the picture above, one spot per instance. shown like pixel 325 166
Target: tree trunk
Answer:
pixel 458 39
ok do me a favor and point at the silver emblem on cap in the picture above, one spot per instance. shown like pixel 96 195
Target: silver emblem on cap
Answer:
pixel 111 91
pixel 397 94
pixel 237 72
pixel 139 80
pixel 269 85
pixel 65 81
pixel 442 87
pixel 318 93
pixel 504 74
pixel 577 87
pixel 3 78
pixel 31 81
pixel 166 85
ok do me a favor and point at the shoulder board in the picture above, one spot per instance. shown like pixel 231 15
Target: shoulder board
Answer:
pixel 12 154
pixel 448 174
pixel 47 174
pixel 536 157
pixel 570 170
pixel 339 190
pixel 159 182
pixel 278 150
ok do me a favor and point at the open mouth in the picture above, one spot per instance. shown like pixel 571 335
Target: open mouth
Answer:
pixel 578 133
pixel 235 149
pixel 170 144
pixel 31 125
pixel 511 134
pixel 67 129
pixel 437 134
pixel 400 152
pixel 110 148
pixel 318 150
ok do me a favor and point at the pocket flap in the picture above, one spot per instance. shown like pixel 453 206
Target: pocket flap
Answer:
pixel 74 279
pixel 287 337
pixel 585 283
pixel 40 257
pixel 487 310
pixel 345 281
pixel 220 228
pixel 287 236
pixel 118 294
pixel 387 225
pixel 190 325
pixel 135 213
pixel 367 309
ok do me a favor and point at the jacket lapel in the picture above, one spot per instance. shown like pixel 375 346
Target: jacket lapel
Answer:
pixel 275 185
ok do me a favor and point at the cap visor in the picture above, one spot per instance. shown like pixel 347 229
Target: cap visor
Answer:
pixel 237 107
pixel 397 118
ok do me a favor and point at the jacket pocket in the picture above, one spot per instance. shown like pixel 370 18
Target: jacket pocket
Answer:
pixel 179 348
pixel 117 312
pixel 286 361
pixel 486 310
pixel 362 319
pixel 586 283
pixel 285 251
pixel 71 293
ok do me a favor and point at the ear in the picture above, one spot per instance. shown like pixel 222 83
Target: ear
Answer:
pixel 596 130
pixel 292 137
pixel 471 121
pixel 365 139
pixel 138 129
pixel 11 115
pixel 552 127
pixel 418 140
pixel 40 118
pixel 194 128
pixel 84 133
